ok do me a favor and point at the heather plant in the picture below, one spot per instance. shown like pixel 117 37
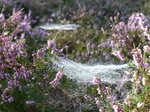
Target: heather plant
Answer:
pixel 125 37
pixel 22 80
pixel 12 69
pixel 138 99
pixel 90 45
pixel 26 82
pixel 84 14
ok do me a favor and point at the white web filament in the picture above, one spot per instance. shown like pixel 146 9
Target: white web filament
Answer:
pixel 85 72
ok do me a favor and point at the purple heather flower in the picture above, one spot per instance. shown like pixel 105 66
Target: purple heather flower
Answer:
pixel 119 55
pixel 102 110
pixel 96 52
pixel 99 91
pixel 11 99
pixel 93 46
pixel 88 48
pixel 53 51
pixel 137 57
pixel 138 22
pixel 55 82
pixel 2 17
pixel 104 53
pixel 128 100
pixel 40 53
pixel 25 25
pixel 118 108
pixel 140 105
pixel 78 41
pixel 146 49
pixel 75 104
pixel 97 102
pixel 97 81
pixel 50 44
pixel 30 102
pixel 144 80
pixel 107 57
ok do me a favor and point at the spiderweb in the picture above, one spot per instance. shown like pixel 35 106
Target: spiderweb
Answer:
pixel 86 72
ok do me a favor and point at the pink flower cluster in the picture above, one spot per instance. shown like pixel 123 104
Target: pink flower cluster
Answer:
pixel 55 82
pixel 128 100
pixel 50 44
pixel 119 55
pixel 146 49
pixel 105 98
pixel 140 79
pixel 118 108
pixel 39 54
pixel 97 81
pixel 139 105
pixel 12 49
pixel 30 102
pixel 137 21
pixel 9 53
pixel 130 35
pixel 138 58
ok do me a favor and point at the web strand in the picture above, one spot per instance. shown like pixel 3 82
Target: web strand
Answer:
pixel 85 72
